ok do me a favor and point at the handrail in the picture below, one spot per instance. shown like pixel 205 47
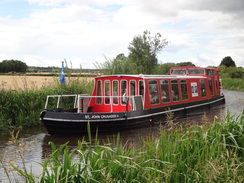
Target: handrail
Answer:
pixel 60 97
pixel 110 97
pixel 81 96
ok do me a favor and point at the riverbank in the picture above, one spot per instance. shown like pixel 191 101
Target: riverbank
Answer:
pixel 21 106
pixel 212 152
pixel 40 148
pixel 233 84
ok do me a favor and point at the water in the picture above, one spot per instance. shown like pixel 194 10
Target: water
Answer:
pixel 38 140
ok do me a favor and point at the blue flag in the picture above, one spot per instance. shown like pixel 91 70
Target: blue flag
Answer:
pixel 62 76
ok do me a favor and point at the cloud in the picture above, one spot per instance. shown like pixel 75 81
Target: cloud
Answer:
pixel 86 31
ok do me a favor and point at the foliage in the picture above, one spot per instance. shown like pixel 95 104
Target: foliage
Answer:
pixel 22 108
pixel 143 51
pixel 232 77
pixel 181 64
pixel 142 57
pixel 12 66
pixel 213 152
pixel 231 72
pixel 164 68
pixel 228 62
pixel 233 84
pixel 118 65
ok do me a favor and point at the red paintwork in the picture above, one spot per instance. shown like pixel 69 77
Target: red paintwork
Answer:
pixel 94 107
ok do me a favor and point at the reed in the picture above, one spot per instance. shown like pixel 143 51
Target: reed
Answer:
pixel 233 84
pixel 22 108
pixel 208 153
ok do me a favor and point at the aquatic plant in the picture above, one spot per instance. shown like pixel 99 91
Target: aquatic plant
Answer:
pixel 208 153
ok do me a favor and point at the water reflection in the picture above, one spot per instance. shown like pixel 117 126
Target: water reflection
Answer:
pixel 234 101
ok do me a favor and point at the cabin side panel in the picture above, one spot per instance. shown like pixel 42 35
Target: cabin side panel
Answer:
pixel 161 92
pixel 115 94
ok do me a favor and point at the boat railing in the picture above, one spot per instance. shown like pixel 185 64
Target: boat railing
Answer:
pixel 59 99
pixel 136 102
pixel 82 101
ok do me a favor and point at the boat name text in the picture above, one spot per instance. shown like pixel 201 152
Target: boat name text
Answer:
pixel 105 116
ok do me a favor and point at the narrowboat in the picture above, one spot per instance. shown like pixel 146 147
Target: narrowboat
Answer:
pixel 120 102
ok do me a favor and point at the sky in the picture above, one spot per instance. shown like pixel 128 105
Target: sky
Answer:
pixel 84 32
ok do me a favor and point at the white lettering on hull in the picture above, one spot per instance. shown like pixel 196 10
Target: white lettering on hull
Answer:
pixel 105 116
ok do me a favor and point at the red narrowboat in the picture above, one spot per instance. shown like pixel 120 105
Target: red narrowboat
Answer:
pixel 120 102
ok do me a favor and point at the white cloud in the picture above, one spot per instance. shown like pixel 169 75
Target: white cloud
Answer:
pixel 84 31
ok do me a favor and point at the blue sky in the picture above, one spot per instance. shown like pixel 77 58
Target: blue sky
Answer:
pixel 15 10
pixel 45 32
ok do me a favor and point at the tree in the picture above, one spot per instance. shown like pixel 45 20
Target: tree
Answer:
pixel 181 64
pixel 143 51
pixel 12 66
pixel 164 68
pixel 118 65
pixel 228 62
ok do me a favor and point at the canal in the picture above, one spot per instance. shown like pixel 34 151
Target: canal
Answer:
pixel 35 146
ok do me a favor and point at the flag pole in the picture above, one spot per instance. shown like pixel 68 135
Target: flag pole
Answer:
pixel 62 80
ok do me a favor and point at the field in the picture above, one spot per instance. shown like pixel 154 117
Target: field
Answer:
pixel 17 83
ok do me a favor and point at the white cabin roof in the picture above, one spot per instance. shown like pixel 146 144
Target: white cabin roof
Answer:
pixel 142 76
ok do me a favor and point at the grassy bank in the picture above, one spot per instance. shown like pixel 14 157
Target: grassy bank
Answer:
pixel 233 84
pixel 213 152
pixel 22 108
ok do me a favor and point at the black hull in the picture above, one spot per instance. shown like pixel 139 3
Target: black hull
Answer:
pixel 61 122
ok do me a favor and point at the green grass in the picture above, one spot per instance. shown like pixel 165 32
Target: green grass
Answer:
pixel 233 84
pixel 22 108
pixel 213 152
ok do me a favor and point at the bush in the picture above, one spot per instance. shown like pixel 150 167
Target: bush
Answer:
pixel 231 72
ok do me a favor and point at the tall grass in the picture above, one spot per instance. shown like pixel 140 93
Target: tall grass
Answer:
pixel 233 84
pixel 213 152
pixel 22 108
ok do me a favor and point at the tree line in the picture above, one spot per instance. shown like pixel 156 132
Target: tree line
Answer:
pixel 12 66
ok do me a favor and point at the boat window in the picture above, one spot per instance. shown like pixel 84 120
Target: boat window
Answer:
pixel 99 92
pixel 183 86
pixel 115 92
pixel 107 91
pixel 153 91
pixel 210 84
pixel 203 87
pixel 217 87
pixel 209 72
pixel 165 90
pixel 196 71
pixel 132 87
pixel 141 86
pixel 178 71
pixel 124 92
pixel 175 90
